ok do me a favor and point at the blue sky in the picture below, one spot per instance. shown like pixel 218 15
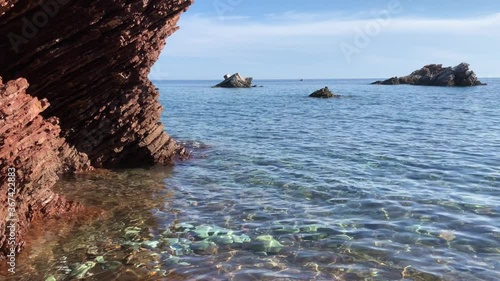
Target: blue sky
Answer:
pixel 278 39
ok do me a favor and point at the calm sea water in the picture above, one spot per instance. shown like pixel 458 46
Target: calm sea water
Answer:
pixel 386 183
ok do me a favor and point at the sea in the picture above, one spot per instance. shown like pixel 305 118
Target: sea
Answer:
pixel 383 183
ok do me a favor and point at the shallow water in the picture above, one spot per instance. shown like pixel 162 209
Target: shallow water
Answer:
pixel 387 183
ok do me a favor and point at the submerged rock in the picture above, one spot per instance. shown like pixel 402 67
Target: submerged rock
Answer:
pixel 150 244
pixel 437 75
pixel 100 260
pixel 310 228
pixel 171 241
pixel 205 231
pixel 172 260
pixel 324 93
pixel 131 245
pixel 80 270
pixel 266 244
pixel 235 81
pixel 224 239
pixel 239 239
pixel 112 265
pixel 132 231
pixel 92 251
pixel 200 246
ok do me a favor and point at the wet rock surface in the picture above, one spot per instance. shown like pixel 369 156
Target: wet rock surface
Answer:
pixel 31 145
pixel 90 62
pixel 437 75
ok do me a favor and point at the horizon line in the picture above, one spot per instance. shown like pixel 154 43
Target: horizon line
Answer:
pixel 292 79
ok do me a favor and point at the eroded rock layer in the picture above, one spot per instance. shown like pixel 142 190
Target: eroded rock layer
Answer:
pixel 33 153
pixel 90 61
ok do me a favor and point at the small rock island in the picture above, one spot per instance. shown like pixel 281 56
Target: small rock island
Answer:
pixel 324 93
pixel 437 75
pixel 235 81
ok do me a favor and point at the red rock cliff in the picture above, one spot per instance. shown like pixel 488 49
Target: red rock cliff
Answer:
pixel 89 60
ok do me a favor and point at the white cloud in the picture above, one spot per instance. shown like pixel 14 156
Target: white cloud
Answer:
pixel 320 26
pixel 200 34
pixel 311 45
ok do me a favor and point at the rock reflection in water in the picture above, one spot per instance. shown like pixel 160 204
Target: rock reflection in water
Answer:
pixel 114 241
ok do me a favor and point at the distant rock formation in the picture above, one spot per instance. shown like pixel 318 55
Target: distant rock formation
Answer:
pixel 324 93
pixel 437 75
pixel 235 81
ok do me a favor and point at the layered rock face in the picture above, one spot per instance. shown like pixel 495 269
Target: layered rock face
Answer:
pixel 33 153
pixel 89 60
pixel 437 75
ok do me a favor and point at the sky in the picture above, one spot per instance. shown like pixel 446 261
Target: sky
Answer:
pixel 325 39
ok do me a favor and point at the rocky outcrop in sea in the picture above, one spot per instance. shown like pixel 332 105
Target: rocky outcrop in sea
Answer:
pixel 437 75
pixel 90 102
pixel 235 81
pixel 324 93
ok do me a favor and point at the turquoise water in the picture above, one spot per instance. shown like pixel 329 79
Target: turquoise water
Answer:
pixel 386 183
pixel 407 179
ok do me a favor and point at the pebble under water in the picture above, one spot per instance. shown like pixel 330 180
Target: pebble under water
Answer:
pixel 386 183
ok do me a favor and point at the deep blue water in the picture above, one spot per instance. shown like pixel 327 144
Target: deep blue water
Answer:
pixel 406 178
